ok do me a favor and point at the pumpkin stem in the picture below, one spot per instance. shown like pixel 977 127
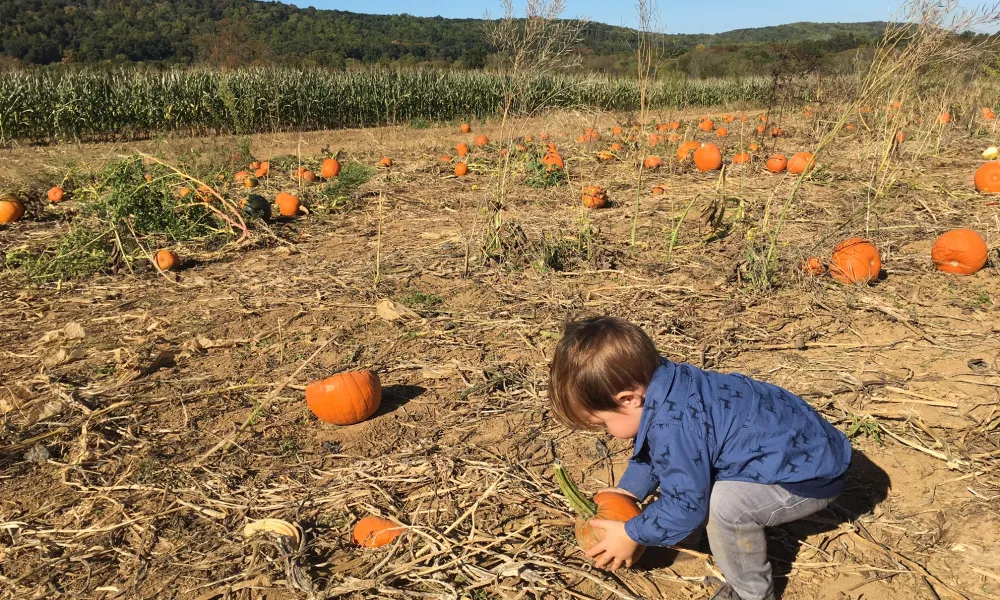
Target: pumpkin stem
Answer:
pixel 584 506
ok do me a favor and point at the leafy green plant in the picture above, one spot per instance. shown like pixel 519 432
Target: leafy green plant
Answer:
pixel 866 426
pixel 539 176
pixel 340 189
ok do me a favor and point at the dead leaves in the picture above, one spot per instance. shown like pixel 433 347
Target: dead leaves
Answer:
pixel 393 311
pixel 68 339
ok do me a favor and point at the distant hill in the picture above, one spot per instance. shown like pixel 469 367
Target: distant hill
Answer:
pixel 241 32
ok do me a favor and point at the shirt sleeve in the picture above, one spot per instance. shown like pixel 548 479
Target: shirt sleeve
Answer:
pixel 639 479
pixel 685 484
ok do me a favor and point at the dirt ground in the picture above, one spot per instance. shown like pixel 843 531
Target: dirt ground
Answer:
pixel 114 389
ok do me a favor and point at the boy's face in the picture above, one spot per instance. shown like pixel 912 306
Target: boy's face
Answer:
pixel 624 422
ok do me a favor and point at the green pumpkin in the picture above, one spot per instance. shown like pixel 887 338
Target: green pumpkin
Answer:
pixel 255 207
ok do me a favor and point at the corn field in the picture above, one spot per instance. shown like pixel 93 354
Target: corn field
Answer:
pixel 46 106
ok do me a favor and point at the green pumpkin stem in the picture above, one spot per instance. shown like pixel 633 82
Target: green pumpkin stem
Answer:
pixel 584 506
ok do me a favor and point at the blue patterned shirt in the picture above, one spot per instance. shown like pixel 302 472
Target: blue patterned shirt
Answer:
pixel 700 426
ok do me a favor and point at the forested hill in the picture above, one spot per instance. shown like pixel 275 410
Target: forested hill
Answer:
pixel 239 32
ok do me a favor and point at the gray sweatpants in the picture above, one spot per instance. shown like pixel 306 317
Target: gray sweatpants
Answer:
pixel 738 513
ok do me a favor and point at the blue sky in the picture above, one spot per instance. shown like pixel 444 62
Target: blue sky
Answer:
pixel 678 16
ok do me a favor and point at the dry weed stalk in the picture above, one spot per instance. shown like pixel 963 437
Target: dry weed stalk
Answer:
pixel 539 43
pixel 648 53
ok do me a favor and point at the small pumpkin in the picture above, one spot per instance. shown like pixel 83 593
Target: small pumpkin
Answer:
pixel 307 175
pixel 800 162
pixel 385 162
pixel 241 176
pixel 605 156
pixel 674 125
pixel 961 251
pixel 528 139
pixel 673 138
pixel 288 205
pixel 988 113
pixel 521 148
pixel 11 209
pixel 654 139
pixel 813 266
pixel 610 506
pixel 255 206
pixel 685 150
pixel 706 125
pixel 183 192
pixel 462 150
pixel 262 170
pixel 754 147
pixel 56 195
pixel 330 168
pixel 944 118
pixel 375 532
pixel 727 118
pixel 662 127
pixel 595 197
pixel 659 190
pixel 855 261
pixel 346 398
pixel 617 130
pixel 444 158
pixel 900 137
pixel 761 129
pixel 461 170
pixel 552 161
pixel 988 178
pixel 250 181
pixel 254 165
pixel 482 140
pixel 652 163
pixel 167 260
pixel 741 158
pixel 777 163
pixel 721 132
pixel 466 128
pixel 616 147
pixel 708 157
pixel 777 132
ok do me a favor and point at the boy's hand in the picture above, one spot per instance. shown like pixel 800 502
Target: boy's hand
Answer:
pixel 617 548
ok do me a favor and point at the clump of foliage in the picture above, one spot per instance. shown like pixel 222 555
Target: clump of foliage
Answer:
pixel 541 176
pixel 339 190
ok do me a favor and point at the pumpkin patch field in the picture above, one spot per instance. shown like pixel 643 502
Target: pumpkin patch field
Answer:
pixel 315 364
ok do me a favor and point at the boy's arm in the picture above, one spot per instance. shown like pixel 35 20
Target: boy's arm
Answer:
pixel 683 503
pixel 639 479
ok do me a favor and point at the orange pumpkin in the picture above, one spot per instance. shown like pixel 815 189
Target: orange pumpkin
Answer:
pixel 482 140
pixel 255 165
pixel 616 147
pixel 444 158
pixel 988 113
pixel 605 156
pixel 900 137
pixel 813 266
pixel 385 162
pixel 241 176
pixel 659 189
pixel 851 127
pixel 528 139
pixel 288 205
pixel 183 192
pixel 580 139
pixel 466 128
pixel 855 261
pixel 461 170
pixel 727 118
pixel 652 163
pixel 11 209
pixel 761 129
pixel 896 105
pixel 375 532
pixel 944 118
pixel 961 251
pixel 306 175
pixel 754 147
pixel 346 398
pixel 741 158
pixel 777 132
pixel 262 170
pixel 762 117
pixel 552 161
pixel 777 163
pixel 330 168
pixel 251 182
pixel 800 162
pixel 708 158
pixel 617 130
pixel 654 139
pixel 662 127
pixel 988 178
pixel 462 150
pixel 722 132
pixel 674 125
pixel 609 506
pixel 685 150
pixel 706 125
pixel 674 138
pixel 56 195
pixel 595 197
pixel 167 260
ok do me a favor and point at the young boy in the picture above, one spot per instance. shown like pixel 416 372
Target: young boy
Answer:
pixel 726 451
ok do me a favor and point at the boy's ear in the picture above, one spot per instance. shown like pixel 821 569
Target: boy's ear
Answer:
pixel 630 398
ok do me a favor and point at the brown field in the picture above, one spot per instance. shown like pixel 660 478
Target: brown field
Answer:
pixel 114 387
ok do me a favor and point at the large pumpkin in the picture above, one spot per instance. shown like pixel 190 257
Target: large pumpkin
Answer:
pixel 708 158
pixel 855 261
pixel 11 209
pixel 375 532
pixel 346 398
pixel 330 168
pixel 960 251
pixel 288 205
pixel 609 506
pixel 800 162
pixel 595 197
pixel 988 178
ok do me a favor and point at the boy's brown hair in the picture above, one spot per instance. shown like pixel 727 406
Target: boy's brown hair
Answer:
pixel 596 359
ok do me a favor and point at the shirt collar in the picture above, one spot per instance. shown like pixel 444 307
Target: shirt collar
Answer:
pixel 656 391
